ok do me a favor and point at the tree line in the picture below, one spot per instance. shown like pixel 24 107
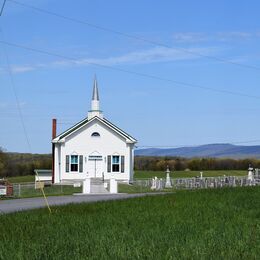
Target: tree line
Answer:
pixel 154 163
pixel 21 164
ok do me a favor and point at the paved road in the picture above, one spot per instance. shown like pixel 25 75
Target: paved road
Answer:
pixel 13 205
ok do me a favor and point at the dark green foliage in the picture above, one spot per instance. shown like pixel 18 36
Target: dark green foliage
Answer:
pixel 149 163
pixel 205 224
pixel 21 164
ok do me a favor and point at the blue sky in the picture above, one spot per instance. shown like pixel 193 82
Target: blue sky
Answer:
pixel 156 112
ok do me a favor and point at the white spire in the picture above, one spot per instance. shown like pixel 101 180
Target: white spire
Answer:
pixel 95 95
pixel 95 110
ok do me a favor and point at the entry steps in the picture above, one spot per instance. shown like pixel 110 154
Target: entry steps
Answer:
pixel 97 186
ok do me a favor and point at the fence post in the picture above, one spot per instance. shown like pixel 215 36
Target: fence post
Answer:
pixel 19 190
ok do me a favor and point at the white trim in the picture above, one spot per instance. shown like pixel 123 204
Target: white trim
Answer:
pixel 128 138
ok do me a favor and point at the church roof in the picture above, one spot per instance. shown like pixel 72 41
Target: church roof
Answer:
pixel 86 121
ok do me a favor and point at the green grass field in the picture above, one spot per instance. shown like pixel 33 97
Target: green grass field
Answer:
pixel 21 179
pixel 151 174
pixel 204 224
pixel 186 174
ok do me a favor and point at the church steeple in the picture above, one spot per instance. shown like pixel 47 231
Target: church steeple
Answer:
pixel 95 95
pixel 95 110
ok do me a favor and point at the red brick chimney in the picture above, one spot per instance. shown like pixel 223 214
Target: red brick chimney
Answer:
pixel 54 128
pixel 54 133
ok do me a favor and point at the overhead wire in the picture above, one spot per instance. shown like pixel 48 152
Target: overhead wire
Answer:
pixel 21 114
pixel 135 37
pixel 141 74
pixel 128 71
pixel 2 8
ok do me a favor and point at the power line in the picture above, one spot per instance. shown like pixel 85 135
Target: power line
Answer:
pixel 106 29
pixel 21 114
pixel 2 9
pixel 15 95
pixel 180 83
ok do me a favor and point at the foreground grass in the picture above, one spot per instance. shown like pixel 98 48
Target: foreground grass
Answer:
pixel 151 174
pixel 205 224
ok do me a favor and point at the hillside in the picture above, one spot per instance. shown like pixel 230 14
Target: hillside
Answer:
pixel 209 150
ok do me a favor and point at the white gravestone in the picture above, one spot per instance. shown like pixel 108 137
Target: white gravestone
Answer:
pixel 159 186
pixel 168 179
pixel 154 181
pixel 250 176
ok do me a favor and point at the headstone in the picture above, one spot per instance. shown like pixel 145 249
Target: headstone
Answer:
pixel 250 176
pixel 154 182
pixel 160 186
pixel 168 179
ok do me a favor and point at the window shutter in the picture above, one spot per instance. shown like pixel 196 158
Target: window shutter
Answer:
pixel 67 163
pixel 122 163
pixel 109 163
pixel 81 163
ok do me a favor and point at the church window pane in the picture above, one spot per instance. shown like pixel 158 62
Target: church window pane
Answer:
pixel 115 163
pixel 74 163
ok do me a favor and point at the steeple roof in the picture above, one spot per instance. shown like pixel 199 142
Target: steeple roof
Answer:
pixel 95 95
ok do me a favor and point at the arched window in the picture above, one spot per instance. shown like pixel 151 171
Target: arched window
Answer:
pixel 95 134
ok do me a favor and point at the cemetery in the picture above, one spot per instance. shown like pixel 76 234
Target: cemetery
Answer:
pixel 166 182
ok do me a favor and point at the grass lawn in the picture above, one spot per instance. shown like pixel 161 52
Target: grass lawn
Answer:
pixel 203 224
pixel 187 174
pixel 21 179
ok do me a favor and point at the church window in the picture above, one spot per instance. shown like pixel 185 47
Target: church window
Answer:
pixel 115 163
pixel 95 134
pixel 74 163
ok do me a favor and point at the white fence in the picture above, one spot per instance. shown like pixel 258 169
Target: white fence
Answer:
pixel 31 190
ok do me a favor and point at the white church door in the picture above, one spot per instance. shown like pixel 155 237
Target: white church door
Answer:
pixel 95 165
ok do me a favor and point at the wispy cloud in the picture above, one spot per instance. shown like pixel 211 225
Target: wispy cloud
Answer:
pixel 148 56
pixel 230 36
pixel 20 69
pixel 195 37
pixel 190 37
pixel 8 105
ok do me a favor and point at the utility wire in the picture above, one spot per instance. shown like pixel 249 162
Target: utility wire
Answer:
pixel 15 94
pixel 2 9
pixel 155 43
pixel 20 113
pixel 180 83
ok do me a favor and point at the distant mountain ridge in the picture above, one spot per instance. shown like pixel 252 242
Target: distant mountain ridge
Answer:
pixel 208 150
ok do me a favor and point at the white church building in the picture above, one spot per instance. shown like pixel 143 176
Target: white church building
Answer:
pixel 93 148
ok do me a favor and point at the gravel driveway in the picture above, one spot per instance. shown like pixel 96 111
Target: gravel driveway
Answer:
pixel 13 205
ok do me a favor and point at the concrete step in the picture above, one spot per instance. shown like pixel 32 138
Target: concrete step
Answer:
pixel 96 181
pixel 98 188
